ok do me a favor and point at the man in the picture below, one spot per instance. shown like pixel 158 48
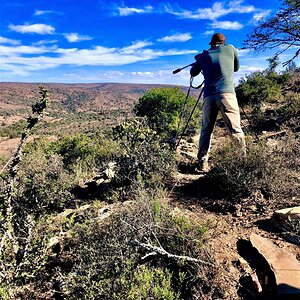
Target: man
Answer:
pixel 218 65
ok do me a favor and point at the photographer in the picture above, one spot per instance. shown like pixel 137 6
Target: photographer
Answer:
pixel 218 65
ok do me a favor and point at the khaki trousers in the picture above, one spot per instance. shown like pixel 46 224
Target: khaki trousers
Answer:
pixel 227 104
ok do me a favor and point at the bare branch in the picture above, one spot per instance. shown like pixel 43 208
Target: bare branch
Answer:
pixel 163 252
pixel 283 29
pixel 9 238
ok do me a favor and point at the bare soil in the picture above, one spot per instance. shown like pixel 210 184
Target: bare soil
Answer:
pixel 229 229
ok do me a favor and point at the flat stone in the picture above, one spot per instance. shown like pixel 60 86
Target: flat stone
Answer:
pixel 291 211
pixel 284 265
pixel 287 218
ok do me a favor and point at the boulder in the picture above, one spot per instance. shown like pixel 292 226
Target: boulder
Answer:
pixel 284 265
pixel 288 219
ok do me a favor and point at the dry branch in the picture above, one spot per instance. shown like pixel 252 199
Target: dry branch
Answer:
pixel 9 235
pixel 274 134
pixel 163 252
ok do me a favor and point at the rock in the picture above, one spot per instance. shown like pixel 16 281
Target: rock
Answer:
pixel 243 264
pixel 287 218
pixel 284 265
pixel 256 284
pixel 289 211
pixel 291 237
pixel 105 175
pixel 54 245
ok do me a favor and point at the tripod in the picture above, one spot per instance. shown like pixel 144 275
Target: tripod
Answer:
pixel 173 139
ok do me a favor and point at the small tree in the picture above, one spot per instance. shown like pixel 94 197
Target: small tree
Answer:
pixel 258 87
pixel 281 31
pixel 162 107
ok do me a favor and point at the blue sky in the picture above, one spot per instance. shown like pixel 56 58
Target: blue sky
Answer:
pixel 73 41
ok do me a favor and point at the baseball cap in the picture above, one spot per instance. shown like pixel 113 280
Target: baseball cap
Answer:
pixel 217 38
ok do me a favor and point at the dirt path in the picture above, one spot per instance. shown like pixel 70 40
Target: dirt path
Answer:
pixel 230 230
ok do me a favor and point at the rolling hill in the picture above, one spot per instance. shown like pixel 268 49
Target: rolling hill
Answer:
pixel 72 108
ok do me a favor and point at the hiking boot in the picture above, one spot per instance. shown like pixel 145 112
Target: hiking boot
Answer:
pixel 202 166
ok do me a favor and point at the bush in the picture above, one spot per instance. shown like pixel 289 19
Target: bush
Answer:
pixel 151 283
pixel 13 131
pixel 268 169
pixel 84 152
pixel 259 87
pixel 43 185
pixel 144 156
pixel 163 106
pixel 4 294
pixel 291 109
pixel 109 261
pixel 96 254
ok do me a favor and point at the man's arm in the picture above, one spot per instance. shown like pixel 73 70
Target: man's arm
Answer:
pixel 236 61
pixel 196 68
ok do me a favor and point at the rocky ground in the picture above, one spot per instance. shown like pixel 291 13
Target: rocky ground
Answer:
pixel 236 236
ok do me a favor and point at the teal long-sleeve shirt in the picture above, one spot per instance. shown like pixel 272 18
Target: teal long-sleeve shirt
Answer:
pixel 218 65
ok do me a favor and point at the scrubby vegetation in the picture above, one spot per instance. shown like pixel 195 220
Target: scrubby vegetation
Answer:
pixel 54 247
pixel 164 107
pixel 14 130
pixel 87 216
pixel 268 169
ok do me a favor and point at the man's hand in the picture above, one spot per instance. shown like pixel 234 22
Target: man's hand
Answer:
pixel 197 56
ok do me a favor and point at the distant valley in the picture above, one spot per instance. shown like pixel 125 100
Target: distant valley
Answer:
pixel 72 107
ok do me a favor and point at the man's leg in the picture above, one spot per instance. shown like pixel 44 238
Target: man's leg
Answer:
pixel 231 116
pixel 209 117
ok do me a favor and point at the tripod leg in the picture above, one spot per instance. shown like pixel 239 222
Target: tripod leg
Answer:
pixel 186 125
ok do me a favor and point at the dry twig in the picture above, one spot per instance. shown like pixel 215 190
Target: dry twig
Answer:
pixel 163 252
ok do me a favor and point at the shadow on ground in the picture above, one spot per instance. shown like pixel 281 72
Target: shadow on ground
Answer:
pixel 199 191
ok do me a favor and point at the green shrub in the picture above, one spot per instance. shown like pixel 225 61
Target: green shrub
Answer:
pixel 14 130
pixel 163 106
pixel 85 151
pixel 291 109
pixel 259 87
pixel 43 185
pixel 144 156
pixel 96 255
pixel 258 119
pixel 109 261
pixel 4 295
pixel 269 169
pixel 151 283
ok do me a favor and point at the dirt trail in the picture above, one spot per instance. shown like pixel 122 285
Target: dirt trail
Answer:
pixel 229 229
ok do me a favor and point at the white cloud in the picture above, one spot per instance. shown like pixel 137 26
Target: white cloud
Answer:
pixel 126 11
pixel 227 25
pixel 8 51
pixel 246 70
pixel 178 37
pixel 208 32
pixel 243 52
pixel 45 42
pixel 41 12
pixel 135 46
pixel 250 69
pixel 236 6
pixel 160 76
pixel 42 58
pixel 75 37
pixel 217 10
pixel 33 28
pixel 4 40
pixel 260 16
